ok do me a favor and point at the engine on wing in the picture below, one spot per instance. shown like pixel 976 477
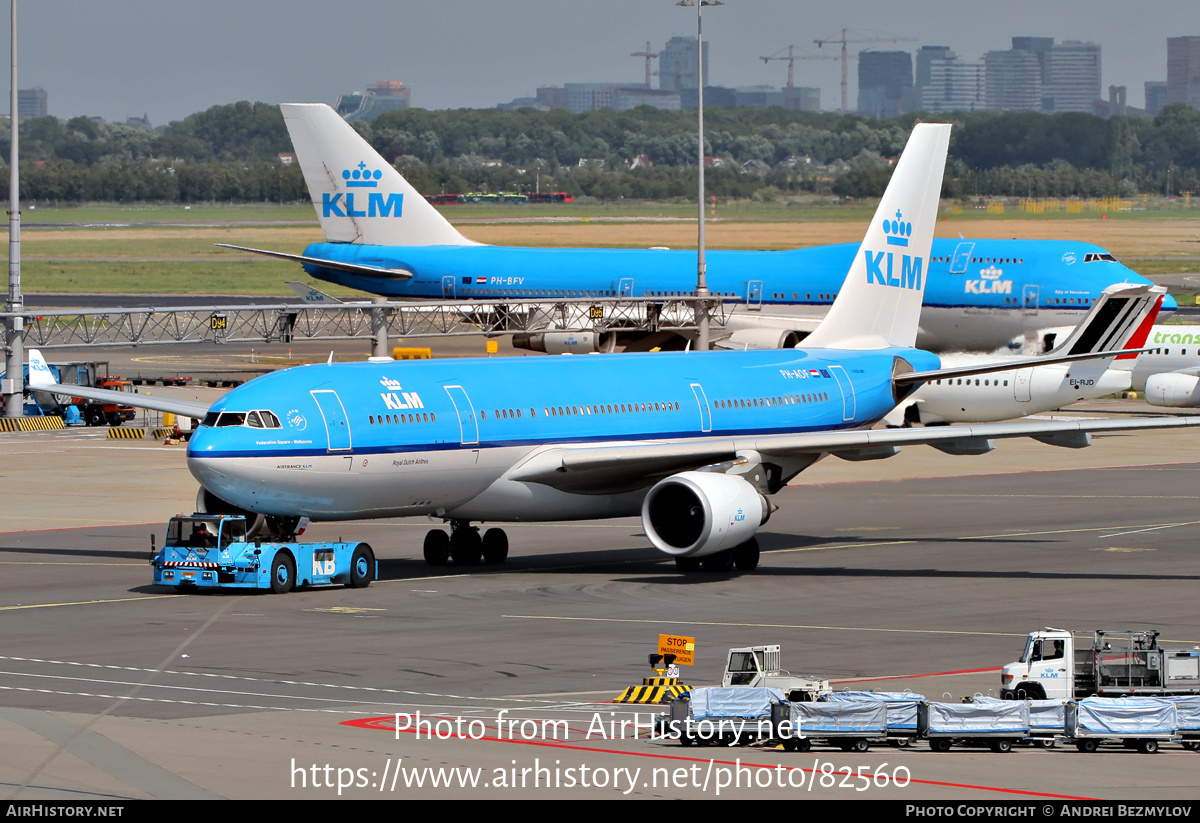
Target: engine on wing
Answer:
pixel 558 342
pixel 695 514
pixel 1173 389
pixel 762 338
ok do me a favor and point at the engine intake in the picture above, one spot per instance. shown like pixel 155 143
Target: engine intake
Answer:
pixel 695 514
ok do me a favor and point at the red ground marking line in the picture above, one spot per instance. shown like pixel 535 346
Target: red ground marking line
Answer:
pixel 909 676
pixel 378 724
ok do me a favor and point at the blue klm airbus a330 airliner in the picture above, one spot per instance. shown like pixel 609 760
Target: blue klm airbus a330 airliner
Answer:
pixel 693 441
pixel 383 237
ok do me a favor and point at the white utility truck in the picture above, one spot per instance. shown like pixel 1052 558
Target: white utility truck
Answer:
pixel 759 666
pixel 1057 666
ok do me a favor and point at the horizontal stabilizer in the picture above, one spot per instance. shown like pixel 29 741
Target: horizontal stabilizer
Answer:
pixel 351 268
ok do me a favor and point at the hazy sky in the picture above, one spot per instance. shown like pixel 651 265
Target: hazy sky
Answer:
pixel 168 58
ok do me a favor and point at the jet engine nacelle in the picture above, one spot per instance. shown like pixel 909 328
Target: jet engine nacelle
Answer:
pixel 558 342
pixel 761 338
pixel 695 514
pixel 1173 389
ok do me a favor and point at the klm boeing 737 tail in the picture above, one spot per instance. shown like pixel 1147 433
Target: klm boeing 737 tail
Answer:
pixel 359 197
pixel 879 305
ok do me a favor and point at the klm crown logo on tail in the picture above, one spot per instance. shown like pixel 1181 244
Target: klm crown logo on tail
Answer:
pixel 897 232
pixel 361 177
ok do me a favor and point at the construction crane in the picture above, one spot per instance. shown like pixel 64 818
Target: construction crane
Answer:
pixel 791 61
pixel 845 61
pixel 649 55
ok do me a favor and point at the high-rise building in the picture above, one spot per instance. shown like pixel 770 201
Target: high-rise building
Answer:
pixel 925 57
pixel 1012 80
pixel 1071 76
pixel 885 83
pixel 32 103
pixel 1183 70
pixel 953 85
pixel 679 64
pixel 1156 96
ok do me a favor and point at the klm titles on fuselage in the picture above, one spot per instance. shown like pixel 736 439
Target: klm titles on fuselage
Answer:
pixel 378 204
pixel 897 232
pixel 396 398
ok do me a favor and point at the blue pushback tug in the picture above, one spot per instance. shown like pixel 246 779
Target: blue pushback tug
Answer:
pixel 213 551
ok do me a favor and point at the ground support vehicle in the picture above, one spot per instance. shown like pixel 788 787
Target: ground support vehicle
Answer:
pixel 901 711
pixel 1055 665
pixel 760 666
pixel 77 410
pixel 212 551
pixel 719 715
pixel 850 725
pixel 996 724
pixel 1138 722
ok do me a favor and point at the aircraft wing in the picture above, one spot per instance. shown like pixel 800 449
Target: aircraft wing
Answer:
pixel 41 379
pixel 633 465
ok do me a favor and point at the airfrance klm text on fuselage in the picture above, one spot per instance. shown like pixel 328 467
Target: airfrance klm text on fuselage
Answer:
pixel 384 238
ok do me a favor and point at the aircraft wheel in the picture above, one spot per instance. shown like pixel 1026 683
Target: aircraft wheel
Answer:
pixel 466 546
pixel 95 417
pixel 687 564
pixel 362 566
pixel 495 547
pixel 745 556
pixel 437 547
pixel 283 573
pixel 719 562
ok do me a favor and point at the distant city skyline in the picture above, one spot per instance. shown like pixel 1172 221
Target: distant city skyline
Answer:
pixel 167 61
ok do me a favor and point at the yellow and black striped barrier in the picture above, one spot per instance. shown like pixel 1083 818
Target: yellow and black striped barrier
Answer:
pixel 653 694
pixel 158 433
pixel 30 424
pixel 125 433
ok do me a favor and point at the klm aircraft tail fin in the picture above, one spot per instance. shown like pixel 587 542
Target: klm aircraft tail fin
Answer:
pixel 1120 319
pixel 879 305
pixel 359 196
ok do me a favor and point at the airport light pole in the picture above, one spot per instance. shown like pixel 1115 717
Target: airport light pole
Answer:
pixel 702 307
pixel 14 383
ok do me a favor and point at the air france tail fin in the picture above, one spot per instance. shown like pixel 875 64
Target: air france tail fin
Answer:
pixel 359 196
pixel 1120 319
pixel 879 305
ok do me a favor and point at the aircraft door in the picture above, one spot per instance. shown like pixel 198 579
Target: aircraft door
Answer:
pixel 625 287
pixel 467 424
pixel 337 424
pixel 705 411
pixel 961 258
pixel 1030 306
pixel 448 286
pixel 1021 388
pixel 849 404
pixel 754 293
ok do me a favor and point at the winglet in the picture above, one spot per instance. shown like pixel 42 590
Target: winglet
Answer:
pixel 359 196
pixel 879 305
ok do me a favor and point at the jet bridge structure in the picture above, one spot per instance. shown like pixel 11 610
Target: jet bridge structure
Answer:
pixel 378 320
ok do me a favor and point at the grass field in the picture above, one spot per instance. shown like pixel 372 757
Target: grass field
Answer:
pixel 172 250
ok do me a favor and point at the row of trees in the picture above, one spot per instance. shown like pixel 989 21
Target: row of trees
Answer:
pixel 230 153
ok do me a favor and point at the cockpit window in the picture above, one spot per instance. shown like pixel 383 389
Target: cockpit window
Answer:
pixel 259 419
pixel 1092 257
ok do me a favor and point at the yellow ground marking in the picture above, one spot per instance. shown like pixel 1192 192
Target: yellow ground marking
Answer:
pixel 80 603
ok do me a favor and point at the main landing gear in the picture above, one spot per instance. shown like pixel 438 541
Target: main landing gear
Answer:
pixel 465 546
